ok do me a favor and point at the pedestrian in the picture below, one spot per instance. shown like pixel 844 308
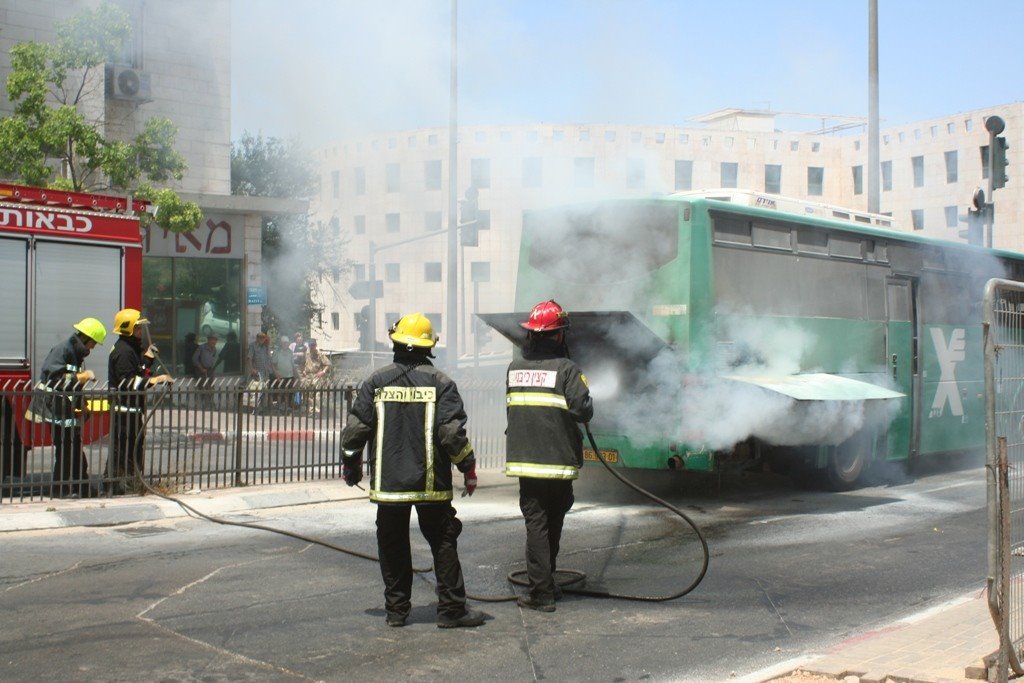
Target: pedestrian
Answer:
pixel 188 350
pixel 546 395
pixel 286 372
pixel 299 351
pixel 412 415
pixel 261 369
pixel 316 375
pixel 129 375
pixel 230 356
pixel 205 361
pixel 59 401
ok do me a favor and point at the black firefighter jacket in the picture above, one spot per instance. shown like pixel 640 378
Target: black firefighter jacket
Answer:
pixel 128 373
pixel 412 415
pixel 545 396
pixel 57 397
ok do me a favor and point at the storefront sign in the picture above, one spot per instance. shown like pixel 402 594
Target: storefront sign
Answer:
pixel 218 236
pixel 256 296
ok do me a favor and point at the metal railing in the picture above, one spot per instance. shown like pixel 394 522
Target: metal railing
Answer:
pixel 1004 397
pixel 200 434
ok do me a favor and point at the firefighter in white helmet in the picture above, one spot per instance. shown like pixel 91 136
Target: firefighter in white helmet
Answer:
pixel 129 374
pixel 58 400
pixel 546 396
pixel 412 416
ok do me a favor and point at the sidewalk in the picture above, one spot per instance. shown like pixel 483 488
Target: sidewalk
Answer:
pixel 949 642
pixel 946 643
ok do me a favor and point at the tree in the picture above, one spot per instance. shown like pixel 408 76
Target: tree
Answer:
pixel 297 254
pixel 50 141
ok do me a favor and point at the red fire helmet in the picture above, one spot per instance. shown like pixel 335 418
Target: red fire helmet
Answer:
pixel 547 316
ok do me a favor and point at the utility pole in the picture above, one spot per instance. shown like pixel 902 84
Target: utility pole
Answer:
pixel 452 342
pixel 874 201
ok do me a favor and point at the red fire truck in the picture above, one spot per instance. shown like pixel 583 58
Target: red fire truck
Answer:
pixel 63 256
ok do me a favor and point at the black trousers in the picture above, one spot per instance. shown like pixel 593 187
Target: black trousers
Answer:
pixel 69 463
pixel 441 528
pixel 544 503
pixel 126 454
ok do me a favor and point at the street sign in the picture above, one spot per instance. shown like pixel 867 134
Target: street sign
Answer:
pixel 256 296
pixel 360 289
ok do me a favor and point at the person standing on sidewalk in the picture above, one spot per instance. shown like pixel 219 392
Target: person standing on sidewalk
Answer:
pixel 546 396
pixel 286 372
pixel 129 375
pixel 261 369
pixel 59 401
pixel 204 360
pixel 412 415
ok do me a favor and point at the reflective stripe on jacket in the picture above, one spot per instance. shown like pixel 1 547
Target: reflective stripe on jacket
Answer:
pixel 412 416
pixel 546 395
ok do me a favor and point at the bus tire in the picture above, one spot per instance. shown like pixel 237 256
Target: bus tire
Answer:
pixel 848 462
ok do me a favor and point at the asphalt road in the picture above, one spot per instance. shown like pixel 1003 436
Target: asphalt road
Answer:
pixel 791 572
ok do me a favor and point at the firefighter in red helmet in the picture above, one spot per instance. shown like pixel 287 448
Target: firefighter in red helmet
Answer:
pixel 546 396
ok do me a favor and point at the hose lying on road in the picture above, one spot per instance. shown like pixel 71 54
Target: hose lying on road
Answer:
pixel 567 584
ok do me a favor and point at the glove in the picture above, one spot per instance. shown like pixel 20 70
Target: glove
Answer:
pixel 161 379
pixel 152 351
pixel 352 468
pixel 470 481
pixel 85 376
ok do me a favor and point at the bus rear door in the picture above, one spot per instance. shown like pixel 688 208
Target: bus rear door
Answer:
pixel 901 356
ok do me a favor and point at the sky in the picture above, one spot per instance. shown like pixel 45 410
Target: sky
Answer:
pixel 319 71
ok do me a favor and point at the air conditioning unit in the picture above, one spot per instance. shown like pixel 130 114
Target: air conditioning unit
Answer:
pixel 126 83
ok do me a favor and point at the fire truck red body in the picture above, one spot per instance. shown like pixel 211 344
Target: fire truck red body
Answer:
pixel 64 256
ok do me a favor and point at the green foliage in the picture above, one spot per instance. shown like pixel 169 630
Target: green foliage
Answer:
pixel 49 142
pixel 296 252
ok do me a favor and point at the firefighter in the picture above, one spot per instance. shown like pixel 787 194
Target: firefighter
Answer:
pixel 546 395
pixel 413 418
pixel 128 374
pixel 58 400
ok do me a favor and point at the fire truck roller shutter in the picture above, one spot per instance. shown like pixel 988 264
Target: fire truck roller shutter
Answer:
pixel 73 281
pixel 14 285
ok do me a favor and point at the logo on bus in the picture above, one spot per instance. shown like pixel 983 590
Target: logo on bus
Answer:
pixel 949 354
pixel 44 220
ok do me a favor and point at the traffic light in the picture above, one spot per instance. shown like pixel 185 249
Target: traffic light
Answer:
pixel 469 235
pixel 999 163
pixel 975 232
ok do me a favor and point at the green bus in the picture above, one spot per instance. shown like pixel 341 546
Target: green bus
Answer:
pixel 731 327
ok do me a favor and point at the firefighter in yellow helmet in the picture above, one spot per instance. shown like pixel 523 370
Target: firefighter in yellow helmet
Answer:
pixel 129 374
pixel 59 401
pixel 546 396
pixel 412 416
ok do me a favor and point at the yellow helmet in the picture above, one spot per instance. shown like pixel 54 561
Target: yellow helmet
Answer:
pixel 414 330
pixel 92 328
pixel 126 320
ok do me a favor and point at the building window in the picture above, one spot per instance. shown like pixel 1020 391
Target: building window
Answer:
pixel 635 137
pixel 901 136
pixel 917 219
pixel 952 219
pixel 729 173
pixel 609 136
pixel 934 130
pixel 794 145
pixel 858 180
pixel 684 174
pixel 359 225
pixel 584 171
pixel 659 138
pixel 968 125
pixel 727 143
pixel 856 145
pixel 432 221
pixel 335 320
pixel 815 181
pixel 773 178
pixel 480 271
pixel 917 163
pixel 886 176
pixel 391 178
pixel 432 139
pixel 532 172
pixel 392 272
pixel 432 174
pixel 392 221
pixel 335 184
pixel 951 166
pixel 411 142
pixel 360 179
pixel 557 135
pixel 480 173
pixel 815 146
pixel 951 128
pixel 584 136
pixel 635 173
pixel 684 138
pixel 432 271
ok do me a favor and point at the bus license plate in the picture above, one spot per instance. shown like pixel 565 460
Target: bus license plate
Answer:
pixel 609 456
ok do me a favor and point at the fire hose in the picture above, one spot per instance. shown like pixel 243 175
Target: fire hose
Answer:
pixel 565 578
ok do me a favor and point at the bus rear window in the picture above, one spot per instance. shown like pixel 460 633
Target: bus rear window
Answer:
pixel 606 244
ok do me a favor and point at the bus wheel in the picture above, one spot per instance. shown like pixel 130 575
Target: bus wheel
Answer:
pixel 848 462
